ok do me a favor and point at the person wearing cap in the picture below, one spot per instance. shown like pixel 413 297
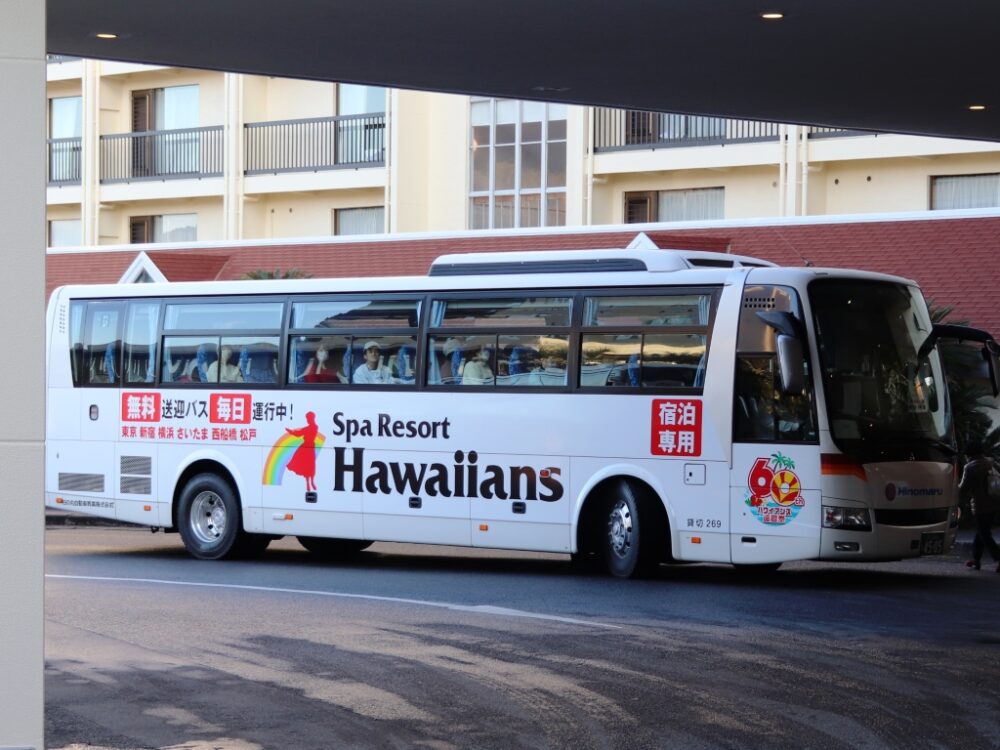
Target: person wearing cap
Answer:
pixel 372 371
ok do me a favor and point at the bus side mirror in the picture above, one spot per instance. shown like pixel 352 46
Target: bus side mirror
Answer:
pixel 791 363
pixel 791 356
pixel 992 366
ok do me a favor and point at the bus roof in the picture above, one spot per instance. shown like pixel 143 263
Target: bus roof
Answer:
pixel 508 270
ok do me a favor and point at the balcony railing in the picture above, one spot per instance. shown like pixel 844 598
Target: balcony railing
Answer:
pixel 186 153
pixel 61 58
pixel 315 144
pixel 625 129
pixel 64 161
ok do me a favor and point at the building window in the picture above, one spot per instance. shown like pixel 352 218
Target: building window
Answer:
pixel 517 164
pixel 165 228
pixel 65 233
pixel 368 220
pixel 675 205
pixel 65 130
pixel 175 109
pixel 965 191
pixel 359 100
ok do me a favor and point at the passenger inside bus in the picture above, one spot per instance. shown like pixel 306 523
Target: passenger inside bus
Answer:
pixel 372 371
pixel 320 368
pixel 477 371
pixel 223 370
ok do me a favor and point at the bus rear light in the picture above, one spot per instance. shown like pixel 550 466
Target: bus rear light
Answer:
pixel 854 519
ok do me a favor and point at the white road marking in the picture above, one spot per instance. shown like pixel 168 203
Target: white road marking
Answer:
pixel 479 609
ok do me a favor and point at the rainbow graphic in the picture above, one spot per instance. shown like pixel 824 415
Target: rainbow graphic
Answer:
pixel 281 453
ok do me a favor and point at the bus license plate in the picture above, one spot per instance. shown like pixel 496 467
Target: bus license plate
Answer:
pixel 932 544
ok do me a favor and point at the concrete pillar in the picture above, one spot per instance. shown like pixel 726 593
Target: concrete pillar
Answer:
pixel 90 153
pixel 22 329
pixel 232 169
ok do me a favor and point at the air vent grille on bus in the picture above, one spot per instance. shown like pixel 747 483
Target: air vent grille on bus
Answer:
pixel 710 263
pixel 72 482
pixel 583 265
pixel 137 486
pixel 62 318
pixel 142 465
pixel 136 475
pixel 758 303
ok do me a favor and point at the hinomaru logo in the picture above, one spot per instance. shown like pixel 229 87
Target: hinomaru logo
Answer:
pixel 774 492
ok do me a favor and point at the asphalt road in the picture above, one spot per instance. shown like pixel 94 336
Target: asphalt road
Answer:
pixel 430 647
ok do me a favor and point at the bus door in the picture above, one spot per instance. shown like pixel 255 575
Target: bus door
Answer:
pixel 775 478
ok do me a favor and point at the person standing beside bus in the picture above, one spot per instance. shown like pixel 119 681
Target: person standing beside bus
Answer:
pixel 372 371
pixel 975 482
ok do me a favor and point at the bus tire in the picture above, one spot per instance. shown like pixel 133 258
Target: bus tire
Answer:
pixel 208 517
pixel 630 549
pixel 333 549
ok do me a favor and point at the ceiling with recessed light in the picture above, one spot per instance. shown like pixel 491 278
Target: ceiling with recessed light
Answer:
pixel 890 65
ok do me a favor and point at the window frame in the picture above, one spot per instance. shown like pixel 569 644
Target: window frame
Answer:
pixel 355 332
pixel 421 333
pixel 713 291
pixel 541 192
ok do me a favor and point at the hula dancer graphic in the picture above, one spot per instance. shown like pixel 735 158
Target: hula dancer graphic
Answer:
pixel 774 491
pixel 303 461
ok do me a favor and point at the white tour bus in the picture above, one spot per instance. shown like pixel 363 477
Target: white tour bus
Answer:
pixel 626 406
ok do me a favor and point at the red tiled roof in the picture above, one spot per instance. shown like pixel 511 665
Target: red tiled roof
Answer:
pixel 956 261
pixel 189 266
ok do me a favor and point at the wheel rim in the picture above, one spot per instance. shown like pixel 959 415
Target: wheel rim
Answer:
pixel 620 529
pixel 208 517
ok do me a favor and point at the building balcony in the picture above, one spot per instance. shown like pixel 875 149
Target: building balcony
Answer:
pixel 64 161
pixel 316 144
pixel 183 154
pixel 626 129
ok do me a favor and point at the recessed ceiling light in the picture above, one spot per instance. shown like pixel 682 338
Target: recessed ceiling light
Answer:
pixel 977 107
pixel 105 35
pixel 772 15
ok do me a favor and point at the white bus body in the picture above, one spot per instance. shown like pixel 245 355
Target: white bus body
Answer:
pixel 637 414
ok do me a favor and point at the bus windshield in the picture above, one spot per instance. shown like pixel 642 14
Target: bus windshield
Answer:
pixel 883 401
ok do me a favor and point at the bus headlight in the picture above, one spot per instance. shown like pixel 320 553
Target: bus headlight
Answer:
pixel 853 519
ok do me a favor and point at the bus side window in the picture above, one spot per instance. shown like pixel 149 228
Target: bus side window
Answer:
pixel 99 360
pixel 761 411
pixel 141 322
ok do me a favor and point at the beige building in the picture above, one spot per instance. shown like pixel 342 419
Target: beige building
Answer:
pixel 141 153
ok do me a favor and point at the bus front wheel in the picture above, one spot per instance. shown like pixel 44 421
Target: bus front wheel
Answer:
pixel 208 517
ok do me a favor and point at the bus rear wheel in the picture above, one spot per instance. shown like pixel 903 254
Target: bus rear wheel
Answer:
pixel 208 518
pixel 629 546
pixel 333 549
